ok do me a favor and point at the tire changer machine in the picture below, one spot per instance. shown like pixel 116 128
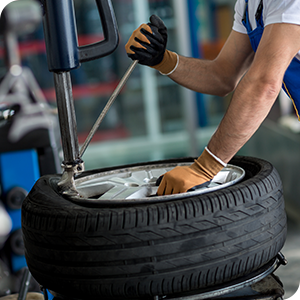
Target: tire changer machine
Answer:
pixel 64 55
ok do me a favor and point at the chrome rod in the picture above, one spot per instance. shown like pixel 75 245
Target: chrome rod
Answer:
pixel 67 118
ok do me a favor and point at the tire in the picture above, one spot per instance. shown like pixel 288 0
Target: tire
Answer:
pixel 163 248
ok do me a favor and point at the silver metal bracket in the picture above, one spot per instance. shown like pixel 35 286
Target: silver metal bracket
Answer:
pixel 67 182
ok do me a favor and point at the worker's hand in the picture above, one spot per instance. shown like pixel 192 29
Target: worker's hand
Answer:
pixel 183 178
pixel 147 44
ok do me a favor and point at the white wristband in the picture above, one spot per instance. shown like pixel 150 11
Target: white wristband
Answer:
pixel 216 158
pixel 177 63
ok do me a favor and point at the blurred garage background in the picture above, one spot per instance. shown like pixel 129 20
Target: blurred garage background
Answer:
pixel 153 118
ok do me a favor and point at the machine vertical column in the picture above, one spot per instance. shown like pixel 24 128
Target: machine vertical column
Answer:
pixel 67 118
pixel 63 56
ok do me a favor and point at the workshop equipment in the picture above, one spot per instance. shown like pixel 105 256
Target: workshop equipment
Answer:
pixel 64 55
pixel 30 143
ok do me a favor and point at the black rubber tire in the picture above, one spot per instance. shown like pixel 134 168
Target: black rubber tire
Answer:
pixel 159 249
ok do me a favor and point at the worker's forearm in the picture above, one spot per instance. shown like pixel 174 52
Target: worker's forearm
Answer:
pixel 257 91
pixel 250 105
pixel 202 76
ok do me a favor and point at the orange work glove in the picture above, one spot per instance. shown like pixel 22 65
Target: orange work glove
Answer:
pixel 147 44
pixel 183 178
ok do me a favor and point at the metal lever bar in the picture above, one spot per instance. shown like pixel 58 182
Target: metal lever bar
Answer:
pixel 107 107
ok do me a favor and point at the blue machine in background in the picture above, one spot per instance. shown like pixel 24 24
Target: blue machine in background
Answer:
pixel 19 170
pixel 29 134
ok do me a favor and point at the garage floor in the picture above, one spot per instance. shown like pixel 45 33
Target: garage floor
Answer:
pixel 290 274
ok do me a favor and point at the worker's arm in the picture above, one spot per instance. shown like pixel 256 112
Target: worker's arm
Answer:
pixel 148 43
pixel 253 98
pixel 221 75
pixel 257 91
pixel 250 104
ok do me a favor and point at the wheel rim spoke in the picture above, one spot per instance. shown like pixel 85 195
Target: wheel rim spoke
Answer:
pixel 139 183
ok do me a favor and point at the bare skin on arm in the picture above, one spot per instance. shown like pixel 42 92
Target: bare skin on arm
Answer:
pixel 255 93
pixel 255 78
pixel 219 76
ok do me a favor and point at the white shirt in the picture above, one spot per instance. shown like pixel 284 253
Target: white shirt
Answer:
pixel 274 11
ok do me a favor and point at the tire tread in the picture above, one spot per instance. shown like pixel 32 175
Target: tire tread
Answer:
pixel 156 249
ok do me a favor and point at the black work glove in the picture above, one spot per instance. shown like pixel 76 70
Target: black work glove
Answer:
pixel 147 44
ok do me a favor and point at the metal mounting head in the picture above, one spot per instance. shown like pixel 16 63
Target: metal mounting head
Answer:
pixel 67 182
